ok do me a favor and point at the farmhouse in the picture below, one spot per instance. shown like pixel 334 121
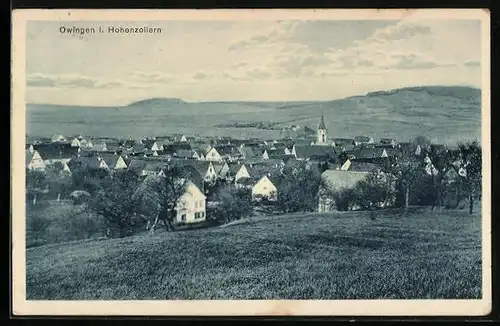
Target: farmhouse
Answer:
pixel 152 145
pixel 58 138
pixel 191 206
pixel 333 180
pixel 100 147
pixel 34 161
pixel 205 169
pixel 264 188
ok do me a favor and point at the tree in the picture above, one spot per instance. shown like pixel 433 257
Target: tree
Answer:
pixel 344 199
pixel 234 204
pixel 372 191
pixel 471 170
pixel 158 196
pixel 36 184
pixel 407 172
pixel 298 191
pixel 116 204
pixel 438 165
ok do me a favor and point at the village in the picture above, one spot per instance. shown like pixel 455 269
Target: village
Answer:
pixel 334 166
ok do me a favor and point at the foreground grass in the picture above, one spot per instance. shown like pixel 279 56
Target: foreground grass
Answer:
pixel 300 256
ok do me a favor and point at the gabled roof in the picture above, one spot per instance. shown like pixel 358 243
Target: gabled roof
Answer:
pixel 367 152
pixel 138 148
pixel 360 166
pixel 246 181
pixel 89 162
pixel 200 166
pixel 56 151
pixel 148 143
pixel 314 151
pixel 227 150
pixel 29 157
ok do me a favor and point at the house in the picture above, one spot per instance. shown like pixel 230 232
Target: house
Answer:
pixel 58 138
pixel 314 152
pixel 367 153
pixel 333 180
pixel 228 152
pixel 221 169
pixel 213 155
pixel 56 152
pixel 152 145
pixel 360 140
pixel 264 188
pixel 87 162
pixel 241 172
pixel 114 162
pixel 359 166
pixel 34 161
pixel 272 154
pixel 86 143
pixel 205 169
pixel 76 142
pixel 190 207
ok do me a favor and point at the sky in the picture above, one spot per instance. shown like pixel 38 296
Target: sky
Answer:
pixel 247 60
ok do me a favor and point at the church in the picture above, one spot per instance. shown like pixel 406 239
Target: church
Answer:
pixel 321 134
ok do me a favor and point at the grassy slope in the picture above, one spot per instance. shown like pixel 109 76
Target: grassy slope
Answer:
pixel 302 256
pixel 444 114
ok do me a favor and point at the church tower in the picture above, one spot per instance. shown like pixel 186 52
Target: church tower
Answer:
pixel 321 133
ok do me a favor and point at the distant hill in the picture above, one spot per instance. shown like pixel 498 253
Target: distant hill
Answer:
pixel 442 113
pixel 157 101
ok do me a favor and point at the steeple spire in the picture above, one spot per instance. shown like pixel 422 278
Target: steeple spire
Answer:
pixel 322 124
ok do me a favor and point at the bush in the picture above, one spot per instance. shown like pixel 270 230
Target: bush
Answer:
pixel 234 204
pixel 344 199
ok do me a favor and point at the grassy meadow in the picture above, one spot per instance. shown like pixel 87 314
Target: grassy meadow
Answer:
pixel 423 255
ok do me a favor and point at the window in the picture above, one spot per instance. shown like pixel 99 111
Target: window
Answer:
pixel 195 204
pixel 183 217
pixel 202 214
pixel 201 203
pixel 198 215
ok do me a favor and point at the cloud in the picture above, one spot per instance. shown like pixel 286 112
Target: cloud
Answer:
pixel 70 81
pixel 281 31
pixel 403 61
pixel 402 30
pixel 472 63
pixel 153 77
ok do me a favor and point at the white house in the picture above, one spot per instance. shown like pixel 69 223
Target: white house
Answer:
pixel 34 161
pixel 86 143
pixel 190 206
pixel 213 156
pixel 242 173
pixel 265 155
pixel 264 188
pixel 75 142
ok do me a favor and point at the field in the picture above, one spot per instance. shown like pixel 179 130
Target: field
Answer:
pixel 299 256
pixel 443 114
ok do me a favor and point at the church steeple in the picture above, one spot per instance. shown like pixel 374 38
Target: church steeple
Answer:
pixel 322 124
pixel 321 133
